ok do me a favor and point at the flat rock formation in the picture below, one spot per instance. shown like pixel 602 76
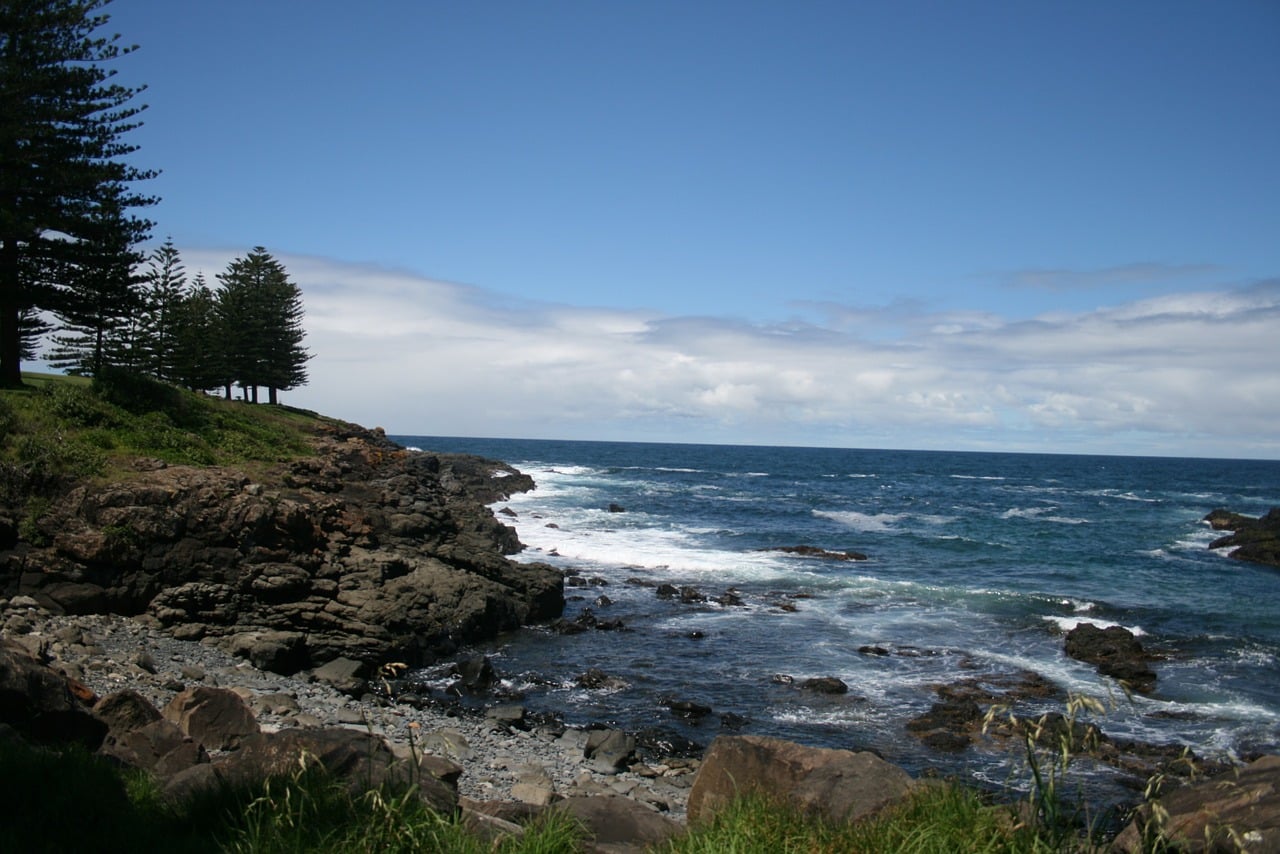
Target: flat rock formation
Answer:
pixel 364 551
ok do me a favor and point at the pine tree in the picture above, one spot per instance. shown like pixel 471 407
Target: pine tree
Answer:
pixel 260 310
pixel 62 121
pixel 31 329
pixel 99 303
pixel 166 283
pixel 198 361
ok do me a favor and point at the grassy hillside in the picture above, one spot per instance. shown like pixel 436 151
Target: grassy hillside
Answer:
pixel 60 428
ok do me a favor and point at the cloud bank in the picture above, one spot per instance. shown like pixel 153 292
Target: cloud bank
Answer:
pixel 1188 374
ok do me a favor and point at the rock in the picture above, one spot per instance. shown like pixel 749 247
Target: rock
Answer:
pixel 125 711
pixel 837 785
pixel 1235 811
pixel 507 714
pixel 595 679
pixel 216 717
pixel 43 705
pixel 616 823
pixel 159 747
pixel 535 794
pixel 814 551
pixel 825 685
pixel 362 551
pixel 1254 540
pixel 949 726
pixel 616 508
pixel 476 673
pixel 688 709
pixel 609 749
pixel 1115 652
pixel 361 759
pixel 343 674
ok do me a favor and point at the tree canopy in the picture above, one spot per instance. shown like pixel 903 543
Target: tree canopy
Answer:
pixel 66 190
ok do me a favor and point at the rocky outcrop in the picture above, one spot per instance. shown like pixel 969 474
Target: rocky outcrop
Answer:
pixel 1254 540
pixel 1235 811
pixel 1115 651
pixel 836 785
pixel 364 551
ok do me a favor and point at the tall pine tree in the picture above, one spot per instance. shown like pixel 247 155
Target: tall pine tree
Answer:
pixel 62 123
pixel 166 284
pixel 100 301
pixel 199 357
pixel 260 310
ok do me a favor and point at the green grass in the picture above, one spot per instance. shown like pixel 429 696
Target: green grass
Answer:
pixel 70 800
pixel 57 430
pixel 937 819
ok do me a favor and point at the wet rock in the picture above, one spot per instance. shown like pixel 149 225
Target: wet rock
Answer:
pixel 815 551
pixel 1254 540
pixel 825 685
pixel 687 709
pixel 596 679
pixel 1115 652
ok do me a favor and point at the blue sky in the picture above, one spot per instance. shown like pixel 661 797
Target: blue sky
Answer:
pixel 1031 225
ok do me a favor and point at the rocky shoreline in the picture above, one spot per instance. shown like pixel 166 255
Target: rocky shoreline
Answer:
pixel 502 759
pixel 306 590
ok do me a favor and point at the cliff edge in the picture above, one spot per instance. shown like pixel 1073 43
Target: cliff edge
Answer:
pixel 356 548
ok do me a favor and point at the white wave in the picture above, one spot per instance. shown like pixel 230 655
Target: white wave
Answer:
pixel 976 477
pixel 579 538
pixel 865 522
pixel 1038 514
pixel 1066 624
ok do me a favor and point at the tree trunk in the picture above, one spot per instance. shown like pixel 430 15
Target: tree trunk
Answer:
pixel 228 387
pixel 10 342
pixel 271 394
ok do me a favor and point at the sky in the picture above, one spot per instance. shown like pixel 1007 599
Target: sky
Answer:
pixel 980 225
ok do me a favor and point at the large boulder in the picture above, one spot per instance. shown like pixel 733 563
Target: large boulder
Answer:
pixel 42 705
pixel 616 823
pixel 216 717
pixel 358 757
pixel 836 785
pixel 1236 811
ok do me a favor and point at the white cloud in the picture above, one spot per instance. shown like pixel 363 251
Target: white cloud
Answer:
pixel 1191 373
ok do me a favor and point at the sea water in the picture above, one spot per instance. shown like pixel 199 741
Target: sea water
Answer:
pixel 977 564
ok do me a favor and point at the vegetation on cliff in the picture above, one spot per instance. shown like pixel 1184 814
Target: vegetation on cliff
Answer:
pixel 57 430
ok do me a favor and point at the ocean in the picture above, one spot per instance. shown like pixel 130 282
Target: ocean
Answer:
pixel 977 564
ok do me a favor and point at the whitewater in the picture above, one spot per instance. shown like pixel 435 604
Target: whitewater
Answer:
pixel 977 564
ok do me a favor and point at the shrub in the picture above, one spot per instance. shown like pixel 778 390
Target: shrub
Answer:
pixel 78 406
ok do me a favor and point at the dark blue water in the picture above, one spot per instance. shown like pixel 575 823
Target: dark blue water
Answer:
pixel 977 564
